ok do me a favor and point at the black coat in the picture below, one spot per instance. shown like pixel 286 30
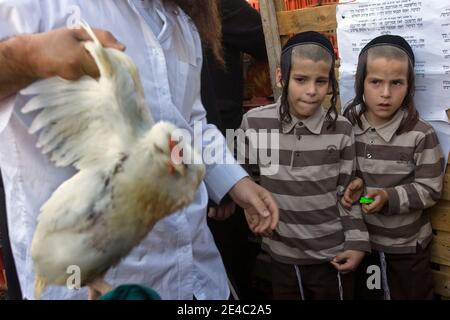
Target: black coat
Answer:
pixel 222 89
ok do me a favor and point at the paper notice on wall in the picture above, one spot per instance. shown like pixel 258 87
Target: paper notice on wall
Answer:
pixel 426 27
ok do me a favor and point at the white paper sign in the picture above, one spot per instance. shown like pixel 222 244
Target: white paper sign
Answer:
pixel 426 27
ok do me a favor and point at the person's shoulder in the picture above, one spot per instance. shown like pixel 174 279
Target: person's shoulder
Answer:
pixel 343 125
pixel 423 126
pixel 344 121
pixel 270 110
pixel 423 131
pixel 265 117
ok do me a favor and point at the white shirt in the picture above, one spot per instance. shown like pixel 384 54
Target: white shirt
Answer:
pixel 178 258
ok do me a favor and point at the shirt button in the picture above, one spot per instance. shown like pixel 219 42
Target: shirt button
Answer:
pixel 300 124
pixel 372 142
pixel 373 130
pixel 297 154
pixel 299 137
pixel 369 156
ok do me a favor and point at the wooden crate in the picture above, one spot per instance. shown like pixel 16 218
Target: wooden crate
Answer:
pixel 279 24
pixel 440 246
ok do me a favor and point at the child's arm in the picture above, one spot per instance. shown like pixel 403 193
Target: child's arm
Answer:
pixel 355 231
pixel 245 151
pixel 426 188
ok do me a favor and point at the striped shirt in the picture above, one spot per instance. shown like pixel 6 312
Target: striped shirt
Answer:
pixel 315 166
pixel 410 167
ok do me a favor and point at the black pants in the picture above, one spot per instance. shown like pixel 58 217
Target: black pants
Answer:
pixel 318 282
pixel 238 253
pixel 14 292
pixel 408 276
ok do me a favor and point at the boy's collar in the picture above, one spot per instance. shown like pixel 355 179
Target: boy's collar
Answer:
pixel 314 123
pixel 385 131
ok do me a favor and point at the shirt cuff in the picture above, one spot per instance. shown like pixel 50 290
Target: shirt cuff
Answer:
pixel 394 202
pixel 220 178
pixel 358 246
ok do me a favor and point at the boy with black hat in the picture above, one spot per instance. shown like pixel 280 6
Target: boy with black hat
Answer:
pixel 317 243
pixel 401 164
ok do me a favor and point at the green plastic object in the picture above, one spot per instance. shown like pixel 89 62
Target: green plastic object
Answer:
pixel 365 200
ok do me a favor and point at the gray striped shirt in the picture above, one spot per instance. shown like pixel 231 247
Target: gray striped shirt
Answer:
pixel 315 165
pixel 410 167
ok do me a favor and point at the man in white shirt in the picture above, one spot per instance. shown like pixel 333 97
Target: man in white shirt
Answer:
pixel 178 258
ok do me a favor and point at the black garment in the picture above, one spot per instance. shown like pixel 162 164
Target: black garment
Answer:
pixel 222 91
pixel 14 292
pixel 318 282
pixel 409 276
pixel 242 32
pixel 208 93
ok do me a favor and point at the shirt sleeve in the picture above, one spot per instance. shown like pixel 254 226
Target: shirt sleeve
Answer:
pixel 245 151
pixel 355 230
pixel 16 18
pixel 222 169
pixel 427 186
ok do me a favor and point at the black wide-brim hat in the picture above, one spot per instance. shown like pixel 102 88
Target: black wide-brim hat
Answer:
pixel 309 37
pixel 391 40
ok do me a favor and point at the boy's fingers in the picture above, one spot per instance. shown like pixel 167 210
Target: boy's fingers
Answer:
pixel 346 203
pixel 263 225
pixel 336 265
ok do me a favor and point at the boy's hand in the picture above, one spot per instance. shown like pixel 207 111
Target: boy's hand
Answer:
pixel 381 198
pixel 61 52
pixel 348 260
pixel 352 193
pixel 261 210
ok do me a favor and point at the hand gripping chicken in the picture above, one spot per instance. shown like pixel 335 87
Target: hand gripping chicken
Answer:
pixel 127 179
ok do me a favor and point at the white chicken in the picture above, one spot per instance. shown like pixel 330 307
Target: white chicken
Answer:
pixel 127 179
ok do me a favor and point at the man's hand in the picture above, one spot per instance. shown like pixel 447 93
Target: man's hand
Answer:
pixel 348 260
pixel 352 193
pixel 61 53
pixel 261 210
pixel 381 199
pixel 223 211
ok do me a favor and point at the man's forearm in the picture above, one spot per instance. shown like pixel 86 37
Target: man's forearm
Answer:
pixel 13 66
